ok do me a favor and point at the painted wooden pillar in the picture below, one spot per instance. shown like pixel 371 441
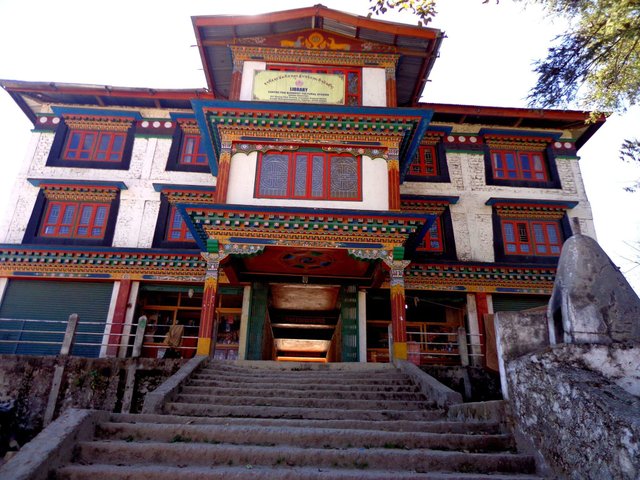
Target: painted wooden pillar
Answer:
pixel 398 310
pixel 393 169
pixel 118 319
pixel 224 165
pixel 236 80
pixel 209 297
pixel 392 97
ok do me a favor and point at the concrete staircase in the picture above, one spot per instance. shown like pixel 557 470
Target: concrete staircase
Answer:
pixel 292 421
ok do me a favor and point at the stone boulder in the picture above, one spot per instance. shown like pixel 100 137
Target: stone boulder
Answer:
pixel 591 302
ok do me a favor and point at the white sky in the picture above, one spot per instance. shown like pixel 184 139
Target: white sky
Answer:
pixel 485 60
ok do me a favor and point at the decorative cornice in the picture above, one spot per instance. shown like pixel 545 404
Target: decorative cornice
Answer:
pixel 108 124
pixel 480 278
pixel 108 263
pixel 435 205
pixel 521 208
pixel 303 227
pixel 279 147
pixel 315 57
pixel 189 196
pixel 189 126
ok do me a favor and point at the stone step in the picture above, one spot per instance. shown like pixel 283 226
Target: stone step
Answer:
pixel 303 437
pixel 308 402
pixel 288 379
pixel 354 394
pixel 212 410
pixel 207 455
pixel 258 472
pixel 435 426
pixel 282 368
pixel 195 380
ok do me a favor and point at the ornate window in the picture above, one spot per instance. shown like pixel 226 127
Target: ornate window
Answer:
pixel 187 148
pixel 529 231
pixel 528 237
pixel 94 146
pixel 425 164
pixel 171 229
pixel 352 78
pixel 429 164
pixel 438 241
pixel 177 230
pixel 309 175
pixel 73 214
pixel 83 141
pixel 75 220
pixel 433 240
pixel 192 152
pixel 520 162
pixel 519 165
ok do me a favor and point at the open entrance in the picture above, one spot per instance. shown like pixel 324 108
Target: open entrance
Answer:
pixel 303 321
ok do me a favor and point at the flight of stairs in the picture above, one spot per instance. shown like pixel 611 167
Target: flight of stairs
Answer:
pixel 272 421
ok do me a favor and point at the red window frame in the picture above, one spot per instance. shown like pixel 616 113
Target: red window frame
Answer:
pixel 529 166
pixel 178 227
pixel 352 97
pixel 87 220
pixel 531 237
pixel 433 241
pixel 191 152
pixel 94 146
pixel 425 164
pixel 326 193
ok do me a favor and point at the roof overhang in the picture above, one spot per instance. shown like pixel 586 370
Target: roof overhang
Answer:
pixel 416 46
pixel 579 123
pixel 31 96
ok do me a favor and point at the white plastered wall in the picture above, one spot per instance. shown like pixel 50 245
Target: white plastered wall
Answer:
pixel 375 181
pixel 374 87
pixel 472 218
pixel 139 202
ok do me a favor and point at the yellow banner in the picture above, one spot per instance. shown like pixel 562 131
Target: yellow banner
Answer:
pixel 298 87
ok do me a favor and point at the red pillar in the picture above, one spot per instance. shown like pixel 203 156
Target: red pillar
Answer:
pixel 119 316
pixel 222 180
pixel 393 168
pixel 236 80
pixel 398 310
pixel 392 100
pixel 209 296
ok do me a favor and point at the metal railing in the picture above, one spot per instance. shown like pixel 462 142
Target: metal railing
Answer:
pixel 87 338
pixel 456 346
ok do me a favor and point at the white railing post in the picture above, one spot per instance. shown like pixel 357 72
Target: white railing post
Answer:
pixel 463 348
pixel 137 343
pixel 69 335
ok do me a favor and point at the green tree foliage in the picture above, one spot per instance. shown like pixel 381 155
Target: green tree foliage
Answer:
pixel 425 10
pixel 594 64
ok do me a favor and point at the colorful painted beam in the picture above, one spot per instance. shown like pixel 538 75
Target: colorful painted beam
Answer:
pixel 301 226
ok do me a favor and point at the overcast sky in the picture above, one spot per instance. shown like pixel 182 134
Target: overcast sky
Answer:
pixel 485 60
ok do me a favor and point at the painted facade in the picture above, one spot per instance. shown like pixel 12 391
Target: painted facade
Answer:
pixel 342 221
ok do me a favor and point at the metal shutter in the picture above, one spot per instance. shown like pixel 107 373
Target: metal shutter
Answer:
pixel 514 303
pixel 53 300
